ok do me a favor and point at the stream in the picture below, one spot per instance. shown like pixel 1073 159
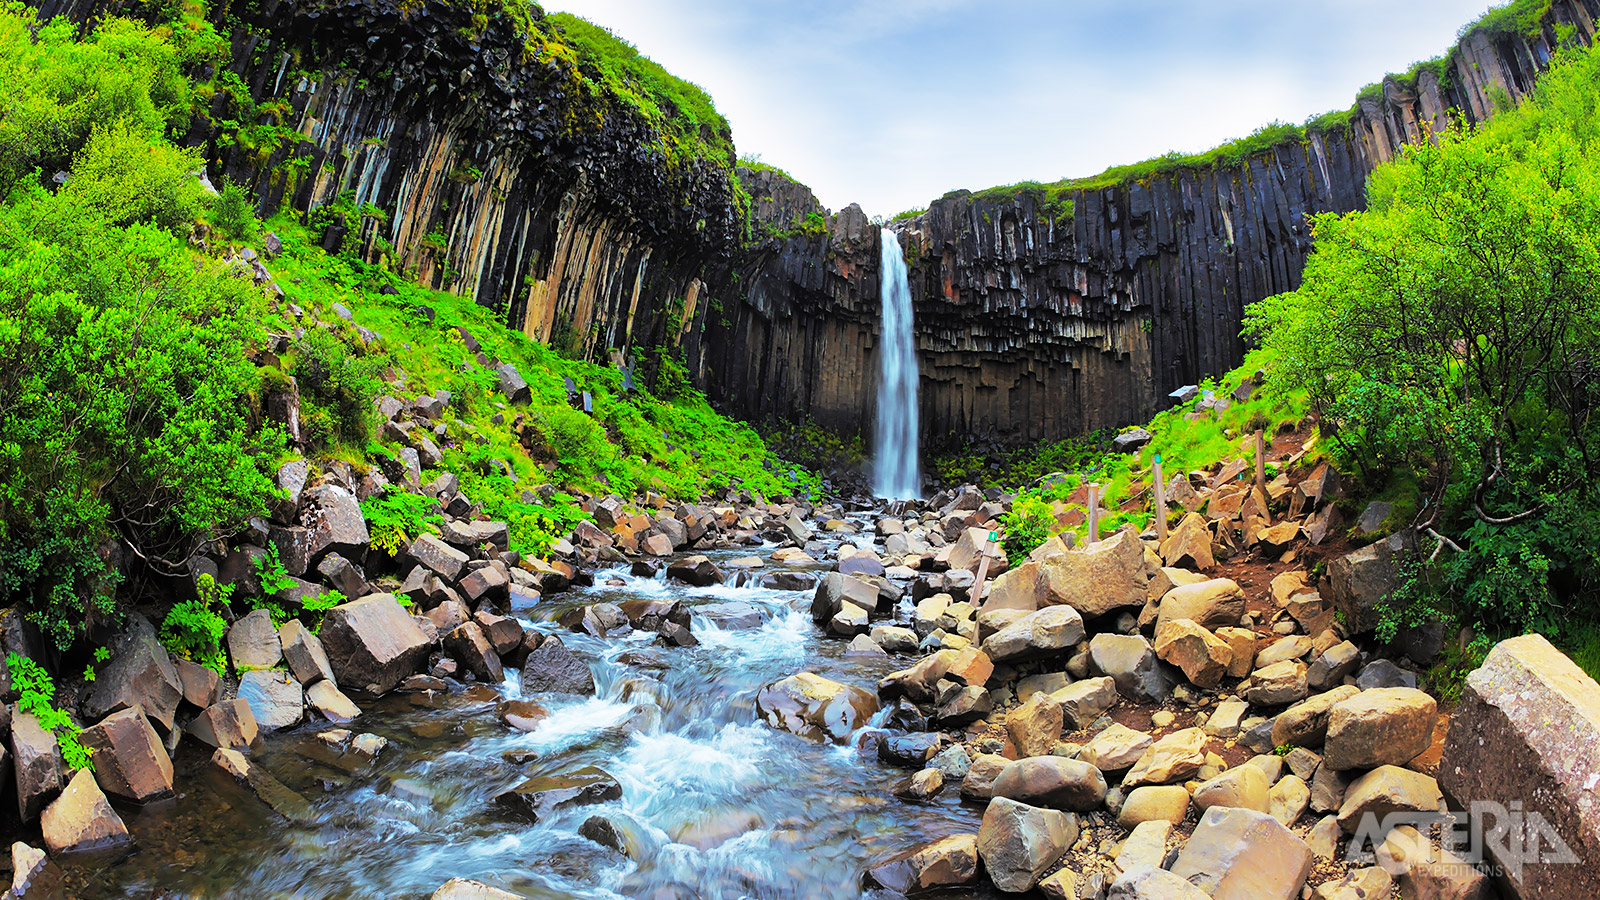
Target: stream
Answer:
pixel 714 803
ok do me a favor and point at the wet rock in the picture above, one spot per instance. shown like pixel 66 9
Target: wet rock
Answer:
pixel 303 651
pixel 1305 724
pixel 276 699
pixel 698 571
pixel 977 786
pixel 1175 757
pixel 326 699
pixel 912 751
pixel 894 639
pixel 602 831
pixel 789 581
pixel 920 787
pixel 953 762
pixel 268 789
pixel 1504 742
pixel 1035 726
pixel 552 668
pixel 129 759
pixel 863 647
pixel 967 705
pixel 333 523
pixel 523 715
pixel 1384 726
pixel 849 621
pixel 201 686
pixel 228 725
pixel 948 861
pixel 466 889
pixel 814 707
pixel 373 643
pixel 1099 579
pixel 33 875
pixel 487 584
pixel 81 819
pixel 1385 790
pixel 541 797
pixel 1047 632
pixel 1154 803
pixel 834 590
pixel 1216 603
pixel 1019 843
pixel 1203 657
pixel 1053 782
pixel 967 666
pixel 1130 661
pixel 1244 853
pixel 1150 883
pixel 36 764
pixel 468 646
pixel 1244 787
pixel 735 616
pixel 140 673
pixel 1082 702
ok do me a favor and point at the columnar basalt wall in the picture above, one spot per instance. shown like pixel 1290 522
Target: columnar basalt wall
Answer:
pixel 1031 327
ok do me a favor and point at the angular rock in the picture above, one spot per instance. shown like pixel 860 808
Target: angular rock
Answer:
pixel 1116 748
pixel 1334 665
pixel 1278 684
pixel 253 642
pixel 228 725
pixel 373 643
pixel 276 699
pixel 1175 757
pixel 1154 803
pixel 948 861
pixel 129 759
pixel 81 819
pixel 140 673
pixel 1151 883
pixel 333 523
pixel 1082 702
pixel 834 590
pixel 1305 724
pixel 1098 579
pixel 553 669
pixel 1360 581
pixel 1385 790
pixel 1203 657
pixel 444 560
pixel 1211 604
pixel 814 707
pixel 1189 545
pixel 1146 845
pixel 1053 782
pixel 1385 726
pixel 977 786
pixel 466 889
pixel 1130 661
pixel 325 698
pixel 698 571
pixel 1289 799
pixel 541 797
pixel 1241 853
pixel 468 646
pixel 303 651
pixel 1018 843
pixel 36 764
pixel 1244 787
pixel 1035 726
pixel 1048 632
pixel 201 686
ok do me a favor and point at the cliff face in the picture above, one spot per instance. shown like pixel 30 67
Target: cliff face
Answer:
pixel 1033 324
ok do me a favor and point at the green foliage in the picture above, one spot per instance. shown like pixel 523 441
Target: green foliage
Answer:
pixel 38 691
pixel 315 608
pixel 338 383
pixel 396 517
pixel 126 179
pixel 274 578
pixel 233 214
pixel 1449 675
pixel 672 376
pixel 1448 331
pixel 1026 525
pixel 194 628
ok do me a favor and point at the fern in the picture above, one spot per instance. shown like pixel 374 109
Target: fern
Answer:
pixel 38 691
pixel 319 605
pixel 193 630
pixel 395 517
pixel 270 572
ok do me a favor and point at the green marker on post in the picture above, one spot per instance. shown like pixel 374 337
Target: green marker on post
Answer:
pixel 994 536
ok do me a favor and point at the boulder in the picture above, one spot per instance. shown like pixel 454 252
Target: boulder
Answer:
pixel 967 705
pixel 140 673
pixel 553 669
pixel 1035 726
pixel 1225 720
pixel 270 790
pixel 698 571
pixel 1380 727
pixel 372 643
pixel 228 725
pixel 444 560
pixel 1334 665
pixel 276 699
pixel 1082 702
pixel 468 645
pixel 1018 843
pixel 1150 883
pixel 1116 748
pixel 1288 799
pixel 1203 657
pixel 1214 603
pixel 81 819
pixel 1241 853
pixel 1386 790
pixel 303 651
pixel 1145 845
pixel 948 861
pixel 1528 729
pixel 1048 632
pixel 1023 588
pixel 967 666
pixel 333 523
pixel 977 786
pixel 36 764
pixel 1154 803
pixel 1130 661
pixel 1278 684
pixel 541 797
pixel 1243 787
pixel 1053 782
pixel 253 642
pixel 1175 757
pixel 815 708
pixel 1099 579
pixel 1361 580
pixel 1426 872
pixel 129 759
pixel 465 889
pixel 834 590
pixel 1291 647
pixel 1189 545
pixel 485 584
pixel 523 715
pixel 1305 724
pixel 201 686
pixel 326 699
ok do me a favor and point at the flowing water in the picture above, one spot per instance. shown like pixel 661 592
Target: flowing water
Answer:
pixel 896 475
pixel 714 804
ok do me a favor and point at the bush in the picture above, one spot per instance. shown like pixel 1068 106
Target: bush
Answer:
pixel 194 629
pixel 337 387
pixel 396 517
pixel 1026 525
pixel 127 179
pixel 233 214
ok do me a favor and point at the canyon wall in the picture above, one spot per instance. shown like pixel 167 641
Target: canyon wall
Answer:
pixel 1036 324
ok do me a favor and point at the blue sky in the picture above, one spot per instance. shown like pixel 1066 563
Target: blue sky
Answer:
pixel 891 103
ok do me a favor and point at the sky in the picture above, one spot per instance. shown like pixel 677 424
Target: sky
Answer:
pixel 893 103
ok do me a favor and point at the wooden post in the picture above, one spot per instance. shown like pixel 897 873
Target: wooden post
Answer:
pixel 1094 512
pixel 1261 461
pixel 1161 502
pixel 976 597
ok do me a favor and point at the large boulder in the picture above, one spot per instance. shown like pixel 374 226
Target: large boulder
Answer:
pixel 698 571
pixel 1235 854
pixel 129 759
pixel 1048 632
pixel 1528 729
pixel 1380 727
pixel 1154 803
pixel 1360 581
pixel 948 861
pixel 276 699
pixel 1053 782
pixel 468 645
pixel 140 673
pixel 1215 603
pixel 1189 545
pixel 1130 661
pixel 1018 843
pixel 834 590
pixel 304 653
pixel 445 560
pixel 968 666
pixel 1386 790
pixel 553 669
pixel 373 643
pixel 81 819
pixel 1023 588
pixel 37 764
pixel 1082 702
pixel 333 523
pixel 1203 657
pixel 1305 724
pixel 1101 578
pixel 229 725
pixel 253 642
pixel 1143 882
pixel 815 707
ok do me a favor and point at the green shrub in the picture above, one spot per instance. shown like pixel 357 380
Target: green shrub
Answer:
pixel 396 517
pixel 338 384
pixel 270 572
pixel 233 213
pixel 29 679
pixel 1026 525
pixel 126 179
pixel 194 629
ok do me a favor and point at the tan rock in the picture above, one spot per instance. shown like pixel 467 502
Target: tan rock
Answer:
pixel 1278 684
pixel 1154 803
pixel 1082 702
pixel 1242 641
pixel 1022 588
pixel 1203 657
pixel 1019 843
pixel 947 861
pixel 1288 799
pixel 1146 845
pixel 1189 545
pixel 1245 787
pixel 1175 757
pixel 1035 726
pixel 1116 748
pixel 1385 790
pixel 1380 727
pixel 814 707
pixel 977 786
pixel 82 819
pixel 1214 603
pixel 1291 647
pixel 1099 579
pixel 1305 724
pixel 1240 853
pixel 1358 884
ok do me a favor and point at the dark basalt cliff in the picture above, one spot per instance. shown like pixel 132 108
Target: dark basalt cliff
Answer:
pixel 1036 325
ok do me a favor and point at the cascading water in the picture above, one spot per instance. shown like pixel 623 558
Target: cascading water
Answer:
pixel 896 475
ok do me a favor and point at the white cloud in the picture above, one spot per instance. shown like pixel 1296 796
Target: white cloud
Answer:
pixel 891 103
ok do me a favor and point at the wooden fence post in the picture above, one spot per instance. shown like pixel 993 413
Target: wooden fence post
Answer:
pixel 1161 502
pixel 1094 512
pixel 1261 461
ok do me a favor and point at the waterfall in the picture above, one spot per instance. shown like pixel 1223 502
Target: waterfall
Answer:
pixel 896 475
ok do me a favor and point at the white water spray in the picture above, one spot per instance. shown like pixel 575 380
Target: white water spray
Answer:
pixel 896 475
